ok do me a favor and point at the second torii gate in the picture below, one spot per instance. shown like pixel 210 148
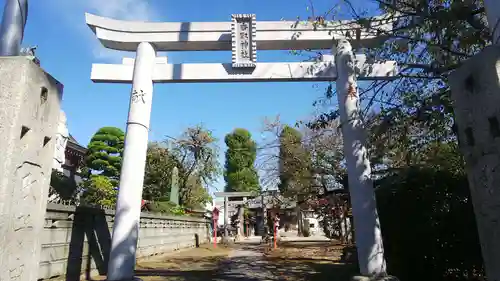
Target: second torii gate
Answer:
pixel 243 35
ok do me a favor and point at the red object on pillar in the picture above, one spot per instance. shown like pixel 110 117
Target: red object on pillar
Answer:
pixel 215 217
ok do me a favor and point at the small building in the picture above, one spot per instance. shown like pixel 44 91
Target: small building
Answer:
pixel 75 156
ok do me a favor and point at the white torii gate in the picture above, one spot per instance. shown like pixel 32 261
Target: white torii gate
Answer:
pixel 243 35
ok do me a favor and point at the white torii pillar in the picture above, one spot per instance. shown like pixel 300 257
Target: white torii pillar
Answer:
pixel 128 209
pixel 366 222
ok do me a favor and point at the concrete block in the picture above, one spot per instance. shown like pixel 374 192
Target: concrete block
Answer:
pixel 29 112
pixel 476 96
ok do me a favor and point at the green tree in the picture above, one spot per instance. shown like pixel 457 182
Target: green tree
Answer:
pixel 295 172
pixel 197 153
pixel 422 196
pixel 194 195
pixel 104 153
pixel 158 172
pixel 63 188
pixel 429 40
pixel 100 191
pixel 160 163
pixel 294 165
pixel 240 173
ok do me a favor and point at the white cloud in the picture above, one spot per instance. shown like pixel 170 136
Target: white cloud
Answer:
pixel 74 11
pixel 123 9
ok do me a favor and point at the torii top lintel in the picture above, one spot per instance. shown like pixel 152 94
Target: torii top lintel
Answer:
pixel 216 36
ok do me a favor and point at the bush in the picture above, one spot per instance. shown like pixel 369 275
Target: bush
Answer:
pixel 428 226
pixel 100 191
pixel 64 187
pixel 165 207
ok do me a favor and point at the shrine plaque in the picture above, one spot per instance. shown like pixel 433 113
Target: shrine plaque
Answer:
pixel 244 45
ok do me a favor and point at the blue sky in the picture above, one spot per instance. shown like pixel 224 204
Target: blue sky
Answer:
pixel 67 48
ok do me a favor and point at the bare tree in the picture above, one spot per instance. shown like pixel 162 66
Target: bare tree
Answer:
pixel 197 152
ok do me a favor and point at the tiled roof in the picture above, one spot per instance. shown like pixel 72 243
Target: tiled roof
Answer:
pixel 72 139
pixel 73 144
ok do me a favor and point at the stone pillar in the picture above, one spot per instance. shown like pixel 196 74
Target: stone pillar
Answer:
pixel 128 209
pixel 29 111
pixel 241 220
pixel 476 96
pixel 61 140
pixel 492 8
pixel 369 238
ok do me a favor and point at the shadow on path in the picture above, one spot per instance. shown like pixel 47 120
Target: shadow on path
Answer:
pixel 249 263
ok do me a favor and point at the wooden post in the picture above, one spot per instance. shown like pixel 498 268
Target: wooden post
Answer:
pixel 215 217
pixel 275 230
pixel 215 233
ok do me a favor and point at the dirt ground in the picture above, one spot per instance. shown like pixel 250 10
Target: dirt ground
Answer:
pixel 313 261
pixel 194 264
pixel 292 261
pixel 190 264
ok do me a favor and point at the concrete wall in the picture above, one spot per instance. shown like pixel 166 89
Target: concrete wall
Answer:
pixel 72 235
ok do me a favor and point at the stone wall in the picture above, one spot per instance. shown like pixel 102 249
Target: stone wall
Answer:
pixel 72 235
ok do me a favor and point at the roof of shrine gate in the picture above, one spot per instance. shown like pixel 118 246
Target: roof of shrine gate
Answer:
pixel 213 36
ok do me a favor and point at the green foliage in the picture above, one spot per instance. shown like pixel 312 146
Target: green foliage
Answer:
pixel 166 207
pixel 100 191
pixel 197 153
pixel 240 173
pixel 425 209
pixel 429 41
pixel 104 155
pixel 64 187
pixel 428 225
pixel 294 164
pixel 193 194
pixel 158 173
pixel 158 179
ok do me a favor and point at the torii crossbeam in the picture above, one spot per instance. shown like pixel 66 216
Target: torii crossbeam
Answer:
pixel 323 70
pixel 217 36
pixel 243 36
